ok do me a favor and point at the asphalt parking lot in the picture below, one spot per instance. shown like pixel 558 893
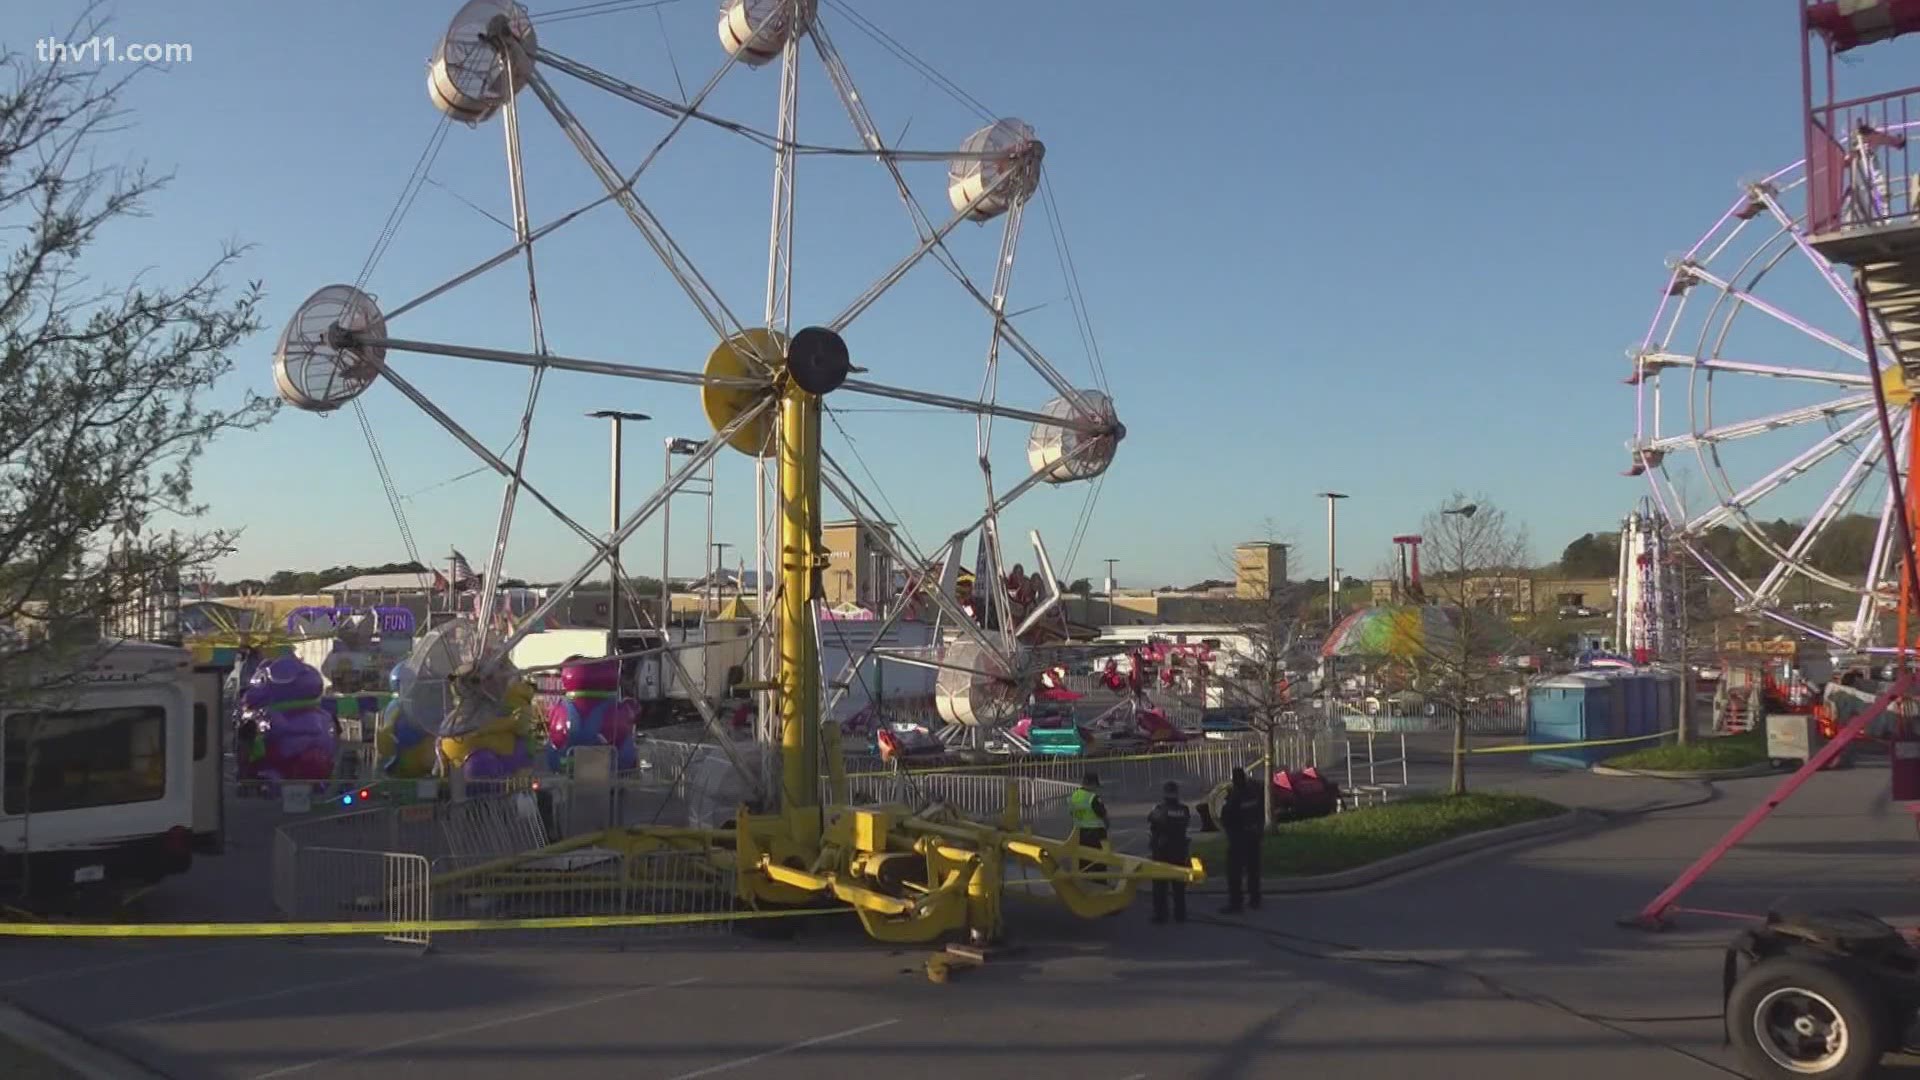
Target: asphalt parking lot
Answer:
pixel 1504 964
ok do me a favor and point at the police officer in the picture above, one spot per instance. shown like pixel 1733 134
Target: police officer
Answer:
pixel 1167 833
pixel 1089 814
pixel 1241 818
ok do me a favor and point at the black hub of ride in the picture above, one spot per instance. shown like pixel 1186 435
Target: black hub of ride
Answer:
pixel 818 360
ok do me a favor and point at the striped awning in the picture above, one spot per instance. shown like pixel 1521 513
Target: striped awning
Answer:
pixel 1849 24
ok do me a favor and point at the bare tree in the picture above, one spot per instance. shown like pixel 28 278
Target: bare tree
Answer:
pixel 1476 576
pixel 1269 617
pixel 103 387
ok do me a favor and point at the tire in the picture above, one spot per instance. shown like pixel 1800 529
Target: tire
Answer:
pixel 1795 1017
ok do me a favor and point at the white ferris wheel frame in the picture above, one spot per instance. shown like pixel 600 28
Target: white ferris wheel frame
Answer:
pixel 1851 416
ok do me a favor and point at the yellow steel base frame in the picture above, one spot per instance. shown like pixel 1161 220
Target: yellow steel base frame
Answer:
pixel 909 877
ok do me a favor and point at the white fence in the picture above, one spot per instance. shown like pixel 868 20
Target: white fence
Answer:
pixel 1433 719
pixel 470 860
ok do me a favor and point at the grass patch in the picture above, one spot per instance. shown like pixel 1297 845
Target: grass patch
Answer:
pixel 1700 755
pixel 1343 841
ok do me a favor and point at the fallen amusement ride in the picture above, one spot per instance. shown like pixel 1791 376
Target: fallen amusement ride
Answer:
pixel 764 387
pixel 1753 384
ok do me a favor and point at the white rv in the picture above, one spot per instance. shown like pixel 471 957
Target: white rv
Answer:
pixel 112 775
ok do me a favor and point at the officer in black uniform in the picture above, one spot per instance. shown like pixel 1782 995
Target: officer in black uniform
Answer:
pixel 1242 816
pixel 1167 837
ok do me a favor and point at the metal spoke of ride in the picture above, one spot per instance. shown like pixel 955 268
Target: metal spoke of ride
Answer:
pixel 543 231
pixel 778 312
pixel 1885 560
pixel 708 302
pixel 479 449
pixel 946 603
pixel 862 509
pixel 695 462
pixel 1656 361
pixel 1743 297
pixel 565 363
pixel 1793 558
pixel 1765 194
pixel 866 299
pixel 1735 504
pixel 989 390
pixel 1086 425
pixel 516 185
pixel 1806 414
pixel 863 124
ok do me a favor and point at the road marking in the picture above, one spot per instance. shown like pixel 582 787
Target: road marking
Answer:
pixel 117 965
pixel 245 999
pixel 468 1029
pixel 789 1048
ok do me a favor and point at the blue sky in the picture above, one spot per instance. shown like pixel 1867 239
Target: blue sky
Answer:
pixel 1395 248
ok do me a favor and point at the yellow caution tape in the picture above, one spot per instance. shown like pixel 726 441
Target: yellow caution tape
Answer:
pixel 1529 748
pixel 424 926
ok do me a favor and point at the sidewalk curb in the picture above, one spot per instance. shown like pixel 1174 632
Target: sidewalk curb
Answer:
pixel 69 1049
pixel 1428 856
pixel 1741 773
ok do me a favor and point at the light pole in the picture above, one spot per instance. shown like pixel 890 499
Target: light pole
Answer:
pixel 1110 563
pixel 1333 597
pixel 674 446
pixel 717 551
pixel 614 418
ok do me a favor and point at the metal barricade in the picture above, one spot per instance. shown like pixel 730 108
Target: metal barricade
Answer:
pixel 1365 785
pixel 329 885
pixel 1041 804
pixel 585 884
pixel 493 826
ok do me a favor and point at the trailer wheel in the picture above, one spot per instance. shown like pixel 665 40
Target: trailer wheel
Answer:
pixel 1790 1016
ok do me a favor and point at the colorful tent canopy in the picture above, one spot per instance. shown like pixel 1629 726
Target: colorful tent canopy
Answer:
pixel 1400 631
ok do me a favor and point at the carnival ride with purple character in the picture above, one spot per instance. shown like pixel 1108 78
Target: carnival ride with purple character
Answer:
pixel 591 712
pixel 283 733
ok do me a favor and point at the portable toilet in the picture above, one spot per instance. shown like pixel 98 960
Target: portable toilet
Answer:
pixel 1574 708
pixel 1642 703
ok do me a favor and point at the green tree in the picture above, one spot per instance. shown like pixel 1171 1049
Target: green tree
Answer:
pixel 105 403
pixel 1592 555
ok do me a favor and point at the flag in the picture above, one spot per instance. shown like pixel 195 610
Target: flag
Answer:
pixel 463 574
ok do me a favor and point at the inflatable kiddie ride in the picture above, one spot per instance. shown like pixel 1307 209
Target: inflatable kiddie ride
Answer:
pixel 366 644
pixel 283 734
pixel 591 712
pixel 479 720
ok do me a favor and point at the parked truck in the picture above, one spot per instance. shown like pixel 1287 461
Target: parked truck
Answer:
pixel 111 774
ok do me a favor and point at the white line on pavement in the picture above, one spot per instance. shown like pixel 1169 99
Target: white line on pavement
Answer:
pixel 468 1029
pixel 789 1048
pixel 116 965
pixel 247 999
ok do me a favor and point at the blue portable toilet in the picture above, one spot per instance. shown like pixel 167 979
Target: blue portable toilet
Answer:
pixel 1643 704
pixel 1574 708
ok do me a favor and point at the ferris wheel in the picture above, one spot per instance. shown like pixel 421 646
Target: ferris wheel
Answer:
pixel 765 384
pixel 1756 422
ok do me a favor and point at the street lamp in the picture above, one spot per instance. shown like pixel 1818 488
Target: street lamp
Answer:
pixel 1333 600
pixel 1110 564
pixel 717 552
pixel 685 448
pixel 614 418
pixel 1466 511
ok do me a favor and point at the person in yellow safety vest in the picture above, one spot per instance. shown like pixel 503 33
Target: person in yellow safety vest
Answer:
pixel 1089 814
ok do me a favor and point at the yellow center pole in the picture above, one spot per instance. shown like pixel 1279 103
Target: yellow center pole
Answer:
pixel 799 673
